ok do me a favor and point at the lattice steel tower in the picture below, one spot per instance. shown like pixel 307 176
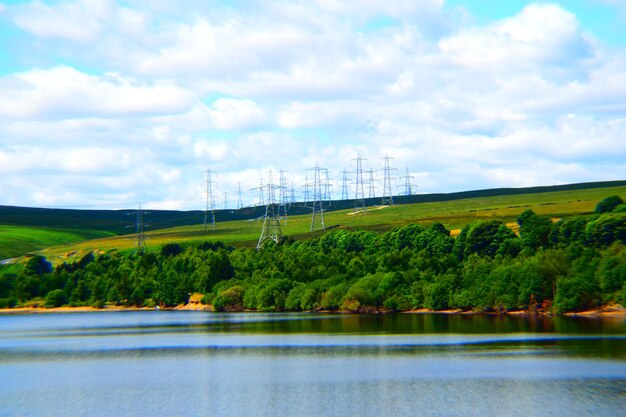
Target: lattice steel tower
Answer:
pixel 344 185
pixel 239 200
pixel 209 210
pixel 359 194
pixel 307 195
pixel 320 185
pixel 139 228
pixel 271 220
pixel 261 189
pixel 408 185
pixel 372 184
pixel 387 190
pixel 283 199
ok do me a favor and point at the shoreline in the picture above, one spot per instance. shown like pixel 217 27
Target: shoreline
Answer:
pixel 608 311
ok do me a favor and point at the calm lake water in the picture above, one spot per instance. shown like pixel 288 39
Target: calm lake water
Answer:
pixel 181 363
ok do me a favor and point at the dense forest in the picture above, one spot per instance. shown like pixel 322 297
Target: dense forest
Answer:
pixel 571 264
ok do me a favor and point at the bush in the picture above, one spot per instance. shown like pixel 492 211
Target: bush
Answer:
pixel 607 229
pixel 171 249
pixel 8 302
pixel 229 299
pixel 55 298
pixel 576 293
pixel 609 204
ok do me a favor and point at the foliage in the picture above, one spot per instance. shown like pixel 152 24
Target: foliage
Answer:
pixel 55 298
pixel 574 263
pixel 608 204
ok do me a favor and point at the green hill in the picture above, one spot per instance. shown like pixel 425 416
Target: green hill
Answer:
pixel 56 232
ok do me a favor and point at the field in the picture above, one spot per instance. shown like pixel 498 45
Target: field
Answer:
pixel 59 245
pixel 19 240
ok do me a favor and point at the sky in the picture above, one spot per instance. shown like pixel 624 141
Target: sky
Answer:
pixel 108 104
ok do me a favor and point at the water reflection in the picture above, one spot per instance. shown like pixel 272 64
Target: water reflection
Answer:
pixel 194 363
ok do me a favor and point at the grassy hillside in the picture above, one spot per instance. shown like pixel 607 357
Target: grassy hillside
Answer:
pixel 18 240
pixel 453 214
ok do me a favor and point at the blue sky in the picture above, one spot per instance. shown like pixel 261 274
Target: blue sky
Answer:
pixel 107 103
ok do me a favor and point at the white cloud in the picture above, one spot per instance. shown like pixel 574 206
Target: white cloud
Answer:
pixel 210 151
pixel 528 100
pixel 64 92
pixel 540 33
pixel 228 114
pixel 80 21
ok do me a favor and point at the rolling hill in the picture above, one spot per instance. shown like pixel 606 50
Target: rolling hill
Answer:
pixel 59 232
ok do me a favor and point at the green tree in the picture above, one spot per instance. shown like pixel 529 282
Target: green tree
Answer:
pixel 55 298
pixel 608 204
pixel 171 249
pixel 534 230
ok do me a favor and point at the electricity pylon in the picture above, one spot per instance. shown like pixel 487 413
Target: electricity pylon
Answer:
pixel 261 189
pixel 344 185
pixel 271 219
pixel 372 185
pixel 283 199
pixel 209 210
pixel 359 194
pixel 408 185
pixel 320 187
pixel 387 190
pixel 139 228
pixel 307 196
pixel 239 200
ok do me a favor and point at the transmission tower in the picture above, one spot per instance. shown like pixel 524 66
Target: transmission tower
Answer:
pixel 261 189
pixel 320 185
pixel 372 187
pixel 408 184
pixel 283 199
pixel 225 200
pixel 359 194
pixel 239 200
pixel 139 228
pixel 306 190
pixel 271 220
pixel 209 210
pixel 387 191
pixel 292 194
pixel 327 186
pixel 344 185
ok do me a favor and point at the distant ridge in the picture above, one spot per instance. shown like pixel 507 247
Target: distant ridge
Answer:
pixel 121 221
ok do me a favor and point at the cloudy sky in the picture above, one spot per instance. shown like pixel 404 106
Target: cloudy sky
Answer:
pixel 104 103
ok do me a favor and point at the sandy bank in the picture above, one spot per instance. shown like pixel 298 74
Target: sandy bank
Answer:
pixel 611 310
pixel 608 311
pixel 42 310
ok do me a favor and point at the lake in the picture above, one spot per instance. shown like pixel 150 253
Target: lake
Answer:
pixel 184 363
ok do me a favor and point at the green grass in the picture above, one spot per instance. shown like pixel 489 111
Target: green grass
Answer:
pixel 453 214
pixel 19 240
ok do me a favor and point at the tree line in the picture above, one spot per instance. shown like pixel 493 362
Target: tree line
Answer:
pixel 571 264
